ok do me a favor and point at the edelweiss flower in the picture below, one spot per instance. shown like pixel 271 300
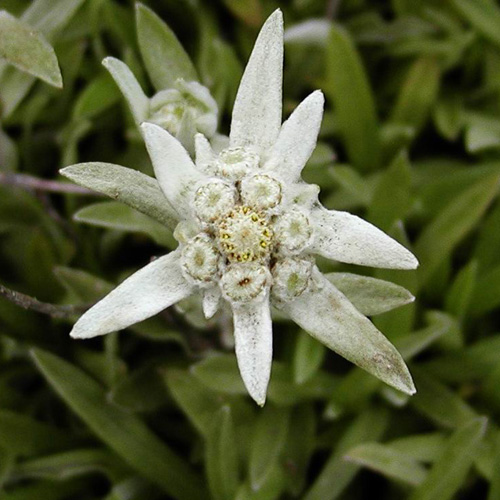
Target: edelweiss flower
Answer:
pixel 248 228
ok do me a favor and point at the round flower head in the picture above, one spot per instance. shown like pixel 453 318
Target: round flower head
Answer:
pixel 248 228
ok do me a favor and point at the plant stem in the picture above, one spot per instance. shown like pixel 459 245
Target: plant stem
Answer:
pixel 32 304
pixel 34 183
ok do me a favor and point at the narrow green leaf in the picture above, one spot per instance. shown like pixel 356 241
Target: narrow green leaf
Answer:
pixel 129 186
pixel 121 430
pixel 74 463
pixel 99 95
pixel 418 94
pixel 221 456
pixel 23 435
pixel 299 447
pixel 486 292
pixel 441 236
pixel 421 447
pixel 439 403
pixel 268 442
pixel 198 403
pixel 337 473
pixel 391 198
pixel 307 357
pixel 494 493
pixel 388 461
pixel 81 285
pixel 484 16
pixel 370 296
pixel 474 362
pixel 461 291
pixel 28 50
pixel 271 490
pixel 348 87
pixel 116 215
pixel 450 470
pixel 164 57
pixel 448 116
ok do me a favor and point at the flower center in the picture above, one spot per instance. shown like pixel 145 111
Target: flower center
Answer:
pixel 245 236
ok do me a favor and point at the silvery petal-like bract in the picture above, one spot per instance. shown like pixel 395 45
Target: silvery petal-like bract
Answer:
pixel 256 119
pixel 173 167
pixel 130 88
pixel 144 294
pixel 328 316
pixel 347 238
pixel 253 337
pixel 297 139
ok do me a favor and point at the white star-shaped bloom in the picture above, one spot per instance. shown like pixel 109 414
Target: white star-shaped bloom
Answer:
pixel 248 230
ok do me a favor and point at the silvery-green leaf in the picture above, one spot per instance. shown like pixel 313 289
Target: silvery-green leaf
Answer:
pixel 450 470
pixel 115 215
pixel 164 57
pixel 211 299
pixel 130 88
pixel 28 50
pixel 327 315
pixel 347 238
pixel 131 187
pixel 256 117
pixel 389 462
pixel 173 167
pixel 370 296
pixel 148 291
pixel 253 335
pixel 297 139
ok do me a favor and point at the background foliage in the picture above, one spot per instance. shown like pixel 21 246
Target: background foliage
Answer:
pixel 410 141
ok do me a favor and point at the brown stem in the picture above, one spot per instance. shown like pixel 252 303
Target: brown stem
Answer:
pixel 34 183
pixel 32 304
pixel 332 8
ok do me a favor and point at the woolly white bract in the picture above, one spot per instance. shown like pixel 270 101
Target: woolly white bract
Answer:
pixel 248 229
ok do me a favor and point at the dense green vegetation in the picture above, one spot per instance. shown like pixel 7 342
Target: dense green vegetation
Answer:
pixel 410 141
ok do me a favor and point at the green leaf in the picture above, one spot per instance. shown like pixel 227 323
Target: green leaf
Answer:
pixel 307 357
pixel 81 285
pixel 391 198
pixel 271 490
pixel 484 16
pixel 220 373
pixel 164 57
pixel 74 463
pixel 122 431
pixel 486 292
pixel 450 470
pixel 348 87
pixel 421 447
pixel 221 456
pixel 474 362
pixel 28 50
pixel 337 473
pixel 482 132
pixel 269 439
pixel 23 435
pixel 123 184
pixel 388 461
pixel 494 493
pixel 198 403
pixel 370 296
pixel 99 95
pixel 441 236
pixel 448 116
pixel 418 94
pixel 300 446
pixel 439 403
pixel 460 294
pixel 116 215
